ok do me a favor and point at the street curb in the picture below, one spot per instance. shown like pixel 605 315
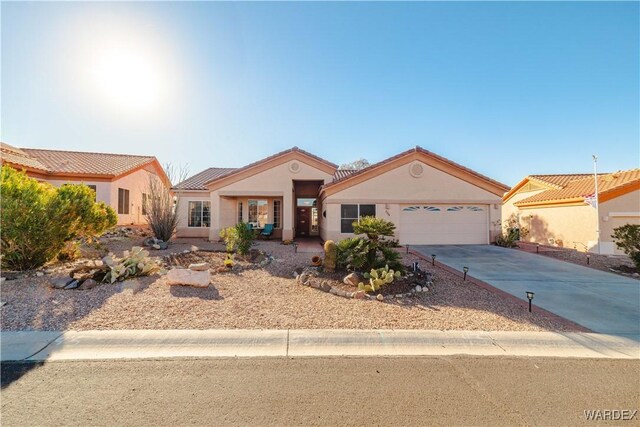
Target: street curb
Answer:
pixel 158 344
pixel 482 284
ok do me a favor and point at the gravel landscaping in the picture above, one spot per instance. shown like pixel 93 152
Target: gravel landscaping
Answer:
pixel 256 297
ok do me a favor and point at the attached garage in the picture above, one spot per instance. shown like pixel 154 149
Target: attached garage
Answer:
pixel 444 224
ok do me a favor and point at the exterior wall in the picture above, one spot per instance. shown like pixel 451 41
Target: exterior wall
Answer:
pixel 614 213
pixel 103 189
pixel 276 182
pixel 397 186
pixel 183 229
pixel 137 183
pixel 509 209
pixel 565 226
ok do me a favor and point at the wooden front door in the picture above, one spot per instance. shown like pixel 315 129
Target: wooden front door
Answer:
pixel 303 216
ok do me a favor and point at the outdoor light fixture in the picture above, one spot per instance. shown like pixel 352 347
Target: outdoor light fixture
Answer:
pixel 465 269
pixel 433 259
pixel 407 248
pixel 588 259
pixel 537 247
pixel 530 297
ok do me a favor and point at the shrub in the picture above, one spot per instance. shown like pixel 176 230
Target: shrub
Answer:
pixel 511 231
pixel 161 211
pixel 37 219
pixel 627 238
pixel 238 238
pixel 372 252
pixel 69 252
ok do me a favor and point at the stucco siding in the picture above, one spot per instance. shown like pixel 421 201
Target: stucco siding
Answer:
pixel 183 229
pixel 103 188
pixel 565 226
pixel 137 183
pixel 617 212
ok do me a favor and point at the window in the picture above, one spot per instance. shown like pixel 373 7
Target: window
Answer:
pixel 239 211
pixel 351 213
pixel 123 201
pixel 303 203
pixel 145 201
pixel 277 213
pixel 258 213
pixel 199 214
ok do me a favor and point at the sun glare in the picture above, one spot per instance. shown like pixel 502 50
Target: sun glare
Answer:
pixel 128 79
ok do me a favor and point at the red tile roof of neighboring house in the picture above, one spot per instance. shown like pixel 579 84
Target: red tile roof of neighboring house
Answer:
pixel 559 180
pixel 75 163
pixel 199 180
pixel 583 186
pixel 343 173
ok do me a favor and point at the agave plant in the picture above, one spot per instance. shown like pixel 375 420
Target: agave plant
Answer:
pixel 378 278
pixel 134 263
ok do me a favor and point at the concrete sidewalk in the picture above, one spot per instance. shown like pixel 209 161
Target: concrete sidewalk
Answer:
pixel 152 344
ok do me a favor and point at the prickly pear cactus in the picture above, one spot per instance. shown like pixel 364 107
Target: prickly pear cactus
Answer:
pixel 330 255
pixel 378 278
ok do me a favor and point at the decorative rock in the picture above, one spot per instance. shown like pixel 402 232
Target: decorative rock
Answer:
pixel 60 282
pixel 324 286
pixel 186 251
pixel 360 295
pixel 352 279
pixel 2 279
pixel 199 279
pixel 418 288
pixel 194 248
pixel 156 246
pixel 380 297
pixel 88 284
pixel 201 266
pixel 164 245
pixel 425 289
pixel 635 275
pixel 72 285
pixel 39 273
pixel 48 271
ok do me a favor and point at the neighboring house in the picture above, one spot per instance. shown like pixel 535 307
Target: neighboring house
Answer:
pixel 430 199
pixel 560 209
pixel 119 180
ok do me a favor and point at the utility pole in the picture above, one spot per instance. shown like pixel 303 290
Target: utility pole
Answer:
pixel 595 178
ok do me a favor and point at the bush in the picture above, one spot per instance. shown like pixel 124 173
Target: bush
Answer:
pixel 627 239
pixel 511 231
pixel 161 210
pixel 69 252
pixel 238 238
pixel 38 219
pixel 372 252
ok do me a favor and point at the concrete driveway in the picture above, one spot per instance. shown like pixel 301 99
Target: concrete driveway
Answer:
pixel 603 302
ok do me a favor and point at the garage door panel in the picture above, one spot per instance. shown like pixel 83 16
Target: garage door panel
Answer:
pixel 443 224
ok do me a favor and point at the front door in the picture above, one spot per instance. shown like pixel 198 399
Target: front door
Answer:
pixel 303 222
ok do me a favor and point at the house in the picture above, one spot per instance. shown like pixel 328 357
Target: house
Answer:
pixel 431 200
pixel 119 180
pixel 560 210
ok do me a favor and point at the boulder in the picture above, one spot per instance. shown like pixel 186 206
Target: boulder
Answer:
pixel 194 248
pixel 163 245
pixel 72 285
pixel 352 279
pixel 87 284
pixel 60 282
pixel 39 273
pixel 418 288
pixel 360 295
pixel 199 279
pixel 380 297
pixel 156 246
pixel 201 266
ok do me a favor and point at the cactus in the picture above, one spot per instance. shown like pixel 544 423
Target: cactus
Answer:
pixel 134 263
pixel 378 278
pixel 330 255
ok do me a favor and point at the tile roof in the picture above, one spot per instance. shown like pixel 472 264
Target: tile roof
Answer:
pixel 583 186
pixel 16 156
pixel 419 150
pixel 199 180
pixel 343 173
pixel 559 180
pixel 60 162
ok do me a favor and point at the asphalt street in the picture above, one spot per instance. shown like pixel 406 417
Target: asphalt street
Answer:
pixel 452 390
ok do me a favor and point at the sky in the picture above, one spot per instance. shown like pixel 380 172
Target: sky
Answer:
pixel 507 89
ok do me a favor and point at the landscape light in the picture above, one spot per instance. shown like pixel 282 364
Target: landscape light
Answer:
pixel 465 269
pixel 588 259
pixel 433 259
pixel 407 248
pixel 537 247
pixel 530 297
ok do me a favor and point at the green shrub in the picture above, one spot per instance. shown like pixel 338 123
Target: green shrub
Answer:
pixel 357 253
pixel 134 263
pixel 69 252
pixel 37 219
pixel 627 238
pixel 238 238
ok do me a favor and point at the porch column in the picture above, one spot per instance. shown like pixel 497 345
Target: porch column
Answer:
pixel 214 230
pixel 287 215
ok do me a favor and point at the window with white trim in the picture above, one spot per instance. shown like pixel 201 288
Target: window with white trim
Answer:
pixel 199 214
pixel 351 213
pixel 123 201
pixel 277 213
pixel 258 213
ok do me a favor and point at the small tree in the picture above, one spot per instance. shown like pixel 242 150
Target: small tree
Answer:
pixel 627 238
pixel 38 219
pixel 161 212
pixel 371 252
pixel 357 165
pixel 238 238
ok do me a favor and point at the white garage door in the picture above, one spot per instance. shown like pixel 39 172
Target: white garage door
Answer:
pixel 444 224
